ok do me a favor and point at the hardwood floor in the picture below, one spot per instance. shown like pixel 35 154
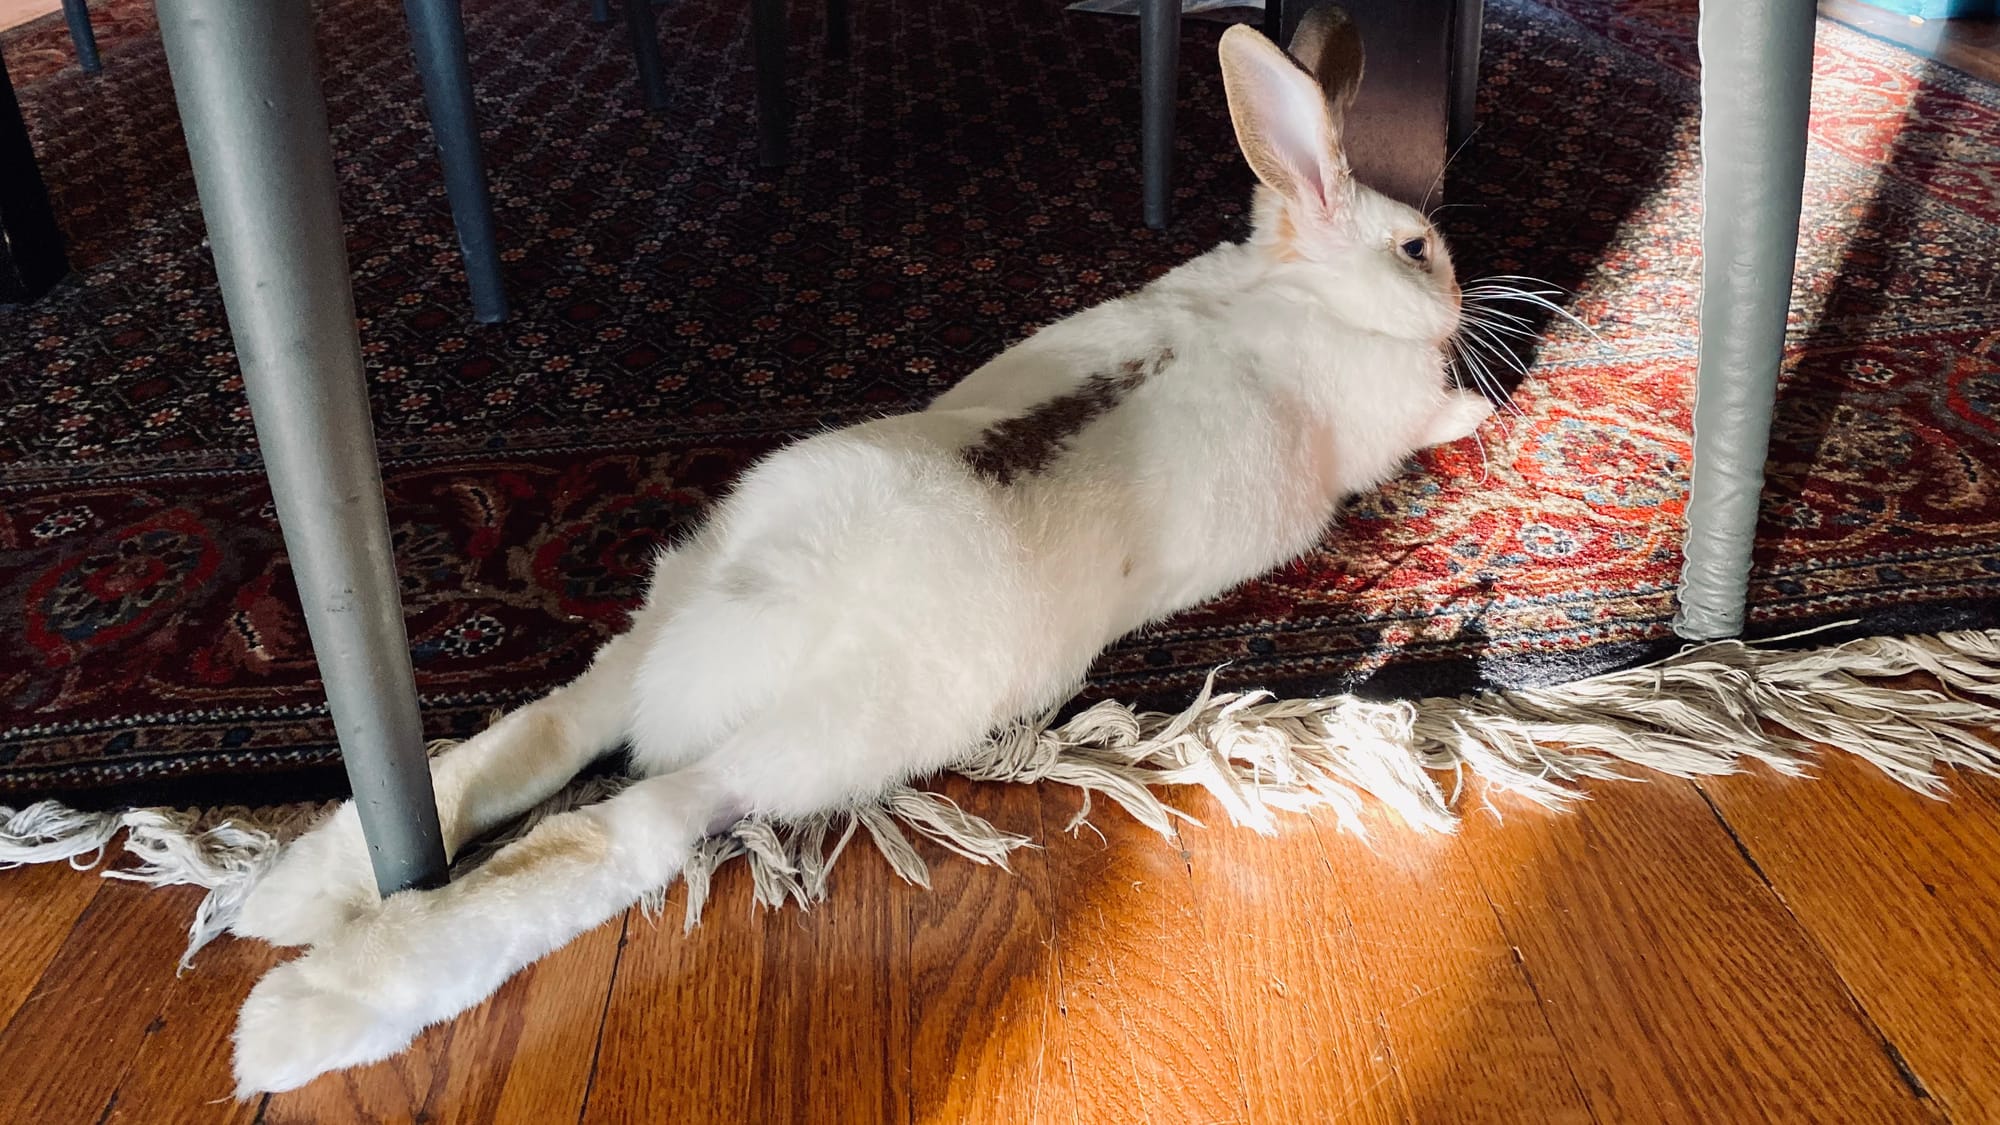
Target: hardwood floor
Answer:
pixel 1748 949
pixel 1971 45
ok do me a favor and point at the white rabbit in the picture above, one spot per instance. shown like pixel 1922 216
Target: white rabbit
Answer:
pixel 868 603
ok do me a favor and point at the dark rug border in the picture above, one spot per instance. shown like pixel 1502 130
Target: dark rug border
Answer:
pixel 319 775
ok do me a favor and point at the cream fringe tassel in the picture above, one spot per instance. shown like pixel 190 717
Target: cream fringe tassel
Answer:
pixel 1701 712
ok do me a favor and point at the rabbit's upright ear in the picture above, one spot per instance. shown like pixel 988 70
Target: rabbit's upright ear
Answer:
pixel 1284 123
pixel 1327 43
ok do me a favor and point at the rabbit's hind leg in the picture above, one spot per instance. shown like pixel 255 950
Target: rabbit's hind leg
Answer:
pixel 324 879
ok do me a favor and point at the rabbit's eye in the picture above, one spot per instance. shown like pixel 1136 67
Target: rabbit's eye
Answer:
pixel 1414 249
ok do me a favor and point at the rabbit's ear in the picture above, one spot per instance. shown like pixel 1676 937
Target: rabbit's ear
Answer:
pixel 1283 122
pixel 1327 43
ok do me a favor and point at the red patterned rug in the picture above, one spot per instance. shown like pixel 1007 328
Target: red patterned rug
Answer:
pixel 968 174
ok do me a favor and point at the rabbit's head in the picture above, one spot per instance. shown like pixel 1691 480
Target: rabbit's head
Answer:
pixel 1385 262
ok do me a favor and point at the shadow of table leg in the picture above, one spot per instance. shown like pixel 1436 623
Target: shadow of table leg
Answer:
pixel 247 85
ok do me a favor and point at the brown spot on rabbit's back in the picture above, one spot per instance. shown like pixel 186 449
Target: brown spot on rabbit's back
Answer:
pixel 1031 442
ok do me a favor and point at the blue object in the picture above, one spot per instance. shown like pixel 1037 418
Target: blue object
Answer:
pixel 1938 9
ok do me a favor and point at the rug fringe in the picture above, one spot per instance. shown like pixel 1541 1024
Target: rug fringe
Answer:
pixel 1701 712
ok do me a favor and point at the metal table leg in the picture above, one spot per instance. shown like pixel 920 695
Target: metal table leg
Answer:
pixel 77 15
pixel 1756 82
pixel 247 84
pixel 437 35
pixel 644 29
pixel 1159 66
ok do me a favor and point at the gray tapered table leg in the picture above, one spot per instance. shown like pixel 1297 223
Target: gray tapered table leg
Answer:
pixel 77 15
pixel 1756 81
pixel 437 36
pixel 1159 67
pixel 247 84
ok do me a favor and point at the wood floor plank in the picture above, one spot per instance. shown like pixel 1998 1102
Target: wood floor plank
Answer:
pixel 78 1029
pixel 182 1069
pixel 38 906
pixel 833 1002
pixel 988 1042
pixel 1679 984
pixel 523 1055
pixel 1310 1035
pixel 1461 1019
pixel 1903 894
pixel 679 1036
pixel 1146 1024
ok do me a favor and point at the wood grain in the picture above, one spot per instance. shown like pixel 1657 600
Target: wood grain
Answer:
pixel 524 1055
pixel 1629 960
pixel 1310 1037
pixel 1147 1024
pixel 79 1030
pixel 38 906
pixel 1678 984
pixel 680 1028
pixel 832 1017
pixel 184 1058
pixel 1903 895
pixel 988 1039
pixel 1460 1016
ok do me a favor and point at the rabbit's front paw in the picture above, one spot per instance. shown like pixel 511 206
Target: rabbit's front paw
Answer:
pixel 1461 414
pixel 295 1027
pixel 320 884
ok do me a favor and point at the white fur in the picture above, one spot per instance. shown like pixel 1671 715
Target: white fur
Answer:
pixel 865 606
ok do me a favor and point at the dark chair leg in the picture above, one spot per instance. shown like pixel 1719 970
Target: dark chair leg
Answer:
pixel 1468 20
pixel 1274 22
pixel 600 11
pixel 645 33
pixel 437 36
pixel 31 248
pixel 767 33
pixel 1395 131
pixel 1159 63
pixel 78 17
pixel 836 29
